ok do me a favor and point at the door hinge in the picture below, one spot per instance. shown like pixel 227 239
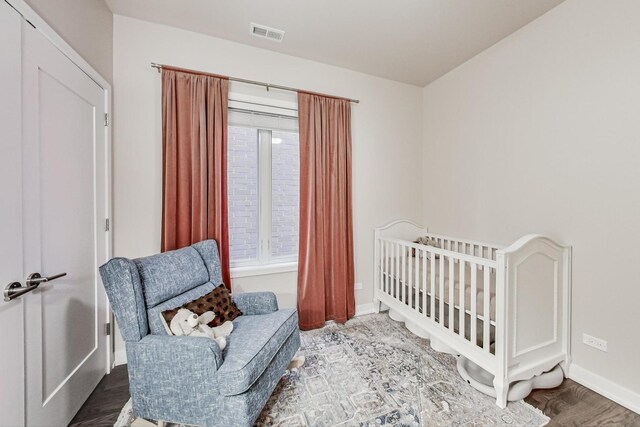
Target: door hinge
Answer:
pixel 107 225
pixel 106 119
pixel 107 328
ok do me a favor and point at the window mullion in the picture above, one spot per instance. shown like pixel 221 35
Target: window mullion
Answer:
pixel 265 194
pixel 268 196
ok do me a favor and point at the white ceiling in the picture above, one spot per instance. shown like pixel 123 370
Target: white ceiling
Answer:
pixel 412 41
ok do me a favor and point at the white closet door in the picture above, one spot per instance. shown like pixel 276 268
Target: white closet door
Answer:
pixel 64 202
pixel 11 313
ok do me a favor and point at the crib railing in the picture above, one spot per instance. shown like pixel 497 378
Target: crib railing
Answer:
pixel 468 247
pixel 432 281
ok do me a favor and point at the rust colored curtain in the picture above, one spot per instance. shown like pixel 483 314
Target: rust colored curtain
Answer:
pixel 325 259
pixel 194 156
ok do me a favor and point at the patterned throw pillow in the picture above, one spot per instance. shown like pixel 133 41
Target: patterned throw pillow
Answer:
pixel 218 300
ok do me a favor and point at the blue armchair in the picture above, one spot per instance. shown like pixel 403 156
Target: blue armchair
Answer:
pixel 188 379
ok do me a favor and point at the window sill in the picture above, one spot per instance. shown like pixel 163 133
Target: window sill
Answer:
pixel 261 270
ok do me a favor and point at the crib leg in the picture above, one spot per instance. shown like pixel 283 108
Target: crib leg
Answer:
pixel 564 365
pixel 502 390
pixel 377 306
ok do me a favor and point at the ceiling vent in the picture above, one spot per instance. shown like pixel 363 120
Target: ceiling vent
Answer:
pixel 265 32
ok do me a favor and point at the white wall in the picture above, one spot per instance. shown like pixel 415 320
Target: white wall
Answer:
pixel 386 138
pixel 541 133
pixel 87 25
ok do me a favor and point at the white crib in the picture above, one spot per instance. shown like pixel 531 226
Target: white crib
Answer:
pixel 507 310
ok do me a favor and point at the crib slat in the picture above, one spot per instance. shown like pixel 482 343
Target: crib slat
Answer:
pixel 399 294
pixel 416 282
pixel 462 290
pixel 474 300
pixel 387 261
pixel 424 283
pixel 382 265
pixel 390 272
pixel 441 293
pixel 432 314
pixel 409 283
pixel 399 273
pixel 452 288
pixel 403 288
pixel 396 284
pixel 486 311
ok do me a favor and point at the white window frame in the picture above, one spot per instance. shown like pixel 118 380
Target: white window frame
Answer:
pixel 265 263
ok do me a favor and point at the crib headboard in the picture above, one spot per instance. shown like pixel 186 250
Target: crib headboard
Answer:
pixel 401 229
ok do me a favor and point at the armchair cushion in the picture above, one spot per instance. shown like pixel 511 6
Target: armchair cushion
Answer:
pixel 256 302
pixel 170 274
pixel 254 342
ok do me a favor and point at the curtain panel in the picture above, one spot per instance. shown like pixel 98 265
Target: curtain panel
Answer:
pixel 194 162
pixel 325 259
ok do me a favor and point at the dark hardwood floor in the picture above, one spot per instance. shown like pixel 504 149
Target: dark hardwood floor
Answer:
pixel 105 403
pixel 572 404
pixel 568 405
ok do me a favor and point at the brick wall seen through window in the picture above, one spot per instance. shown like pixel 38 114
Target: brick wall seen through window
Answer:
pixel 244 183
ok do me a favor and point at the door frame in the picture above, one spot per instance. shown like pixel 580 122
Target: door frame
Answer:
pixel 36 21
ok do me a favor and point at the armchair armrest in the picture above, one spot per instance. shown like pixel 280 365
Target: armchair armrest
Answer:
pixel 166 370
pixel 160 349
pixel 252 303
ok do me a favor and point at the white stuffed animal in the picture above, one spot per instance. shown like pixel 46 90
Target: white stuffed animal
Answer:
pixel 186 322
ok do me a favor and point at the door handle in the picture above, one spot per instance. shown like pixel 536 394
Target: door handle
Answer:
pixel 35 279
pixel 15 289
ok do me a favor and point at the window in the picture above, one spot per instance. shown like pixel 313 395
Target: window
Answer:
pixel 263 189
pixel 285 194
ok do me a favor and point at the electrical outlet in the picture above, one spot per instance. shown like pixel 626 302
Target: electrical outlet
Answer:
pixel 594 342
pixel 358 286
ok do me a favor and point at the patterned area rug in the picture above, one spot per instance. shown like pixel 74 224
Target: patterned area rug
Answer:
pixel 372 371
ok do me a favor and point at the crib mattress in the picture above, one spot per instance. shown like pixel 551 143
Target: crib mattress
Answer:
pixel 411 264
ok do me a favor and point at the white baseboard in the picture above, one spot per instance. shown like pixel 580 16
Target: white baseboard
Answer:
pixel 363 309
pixel 120 357
pixel 625 397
